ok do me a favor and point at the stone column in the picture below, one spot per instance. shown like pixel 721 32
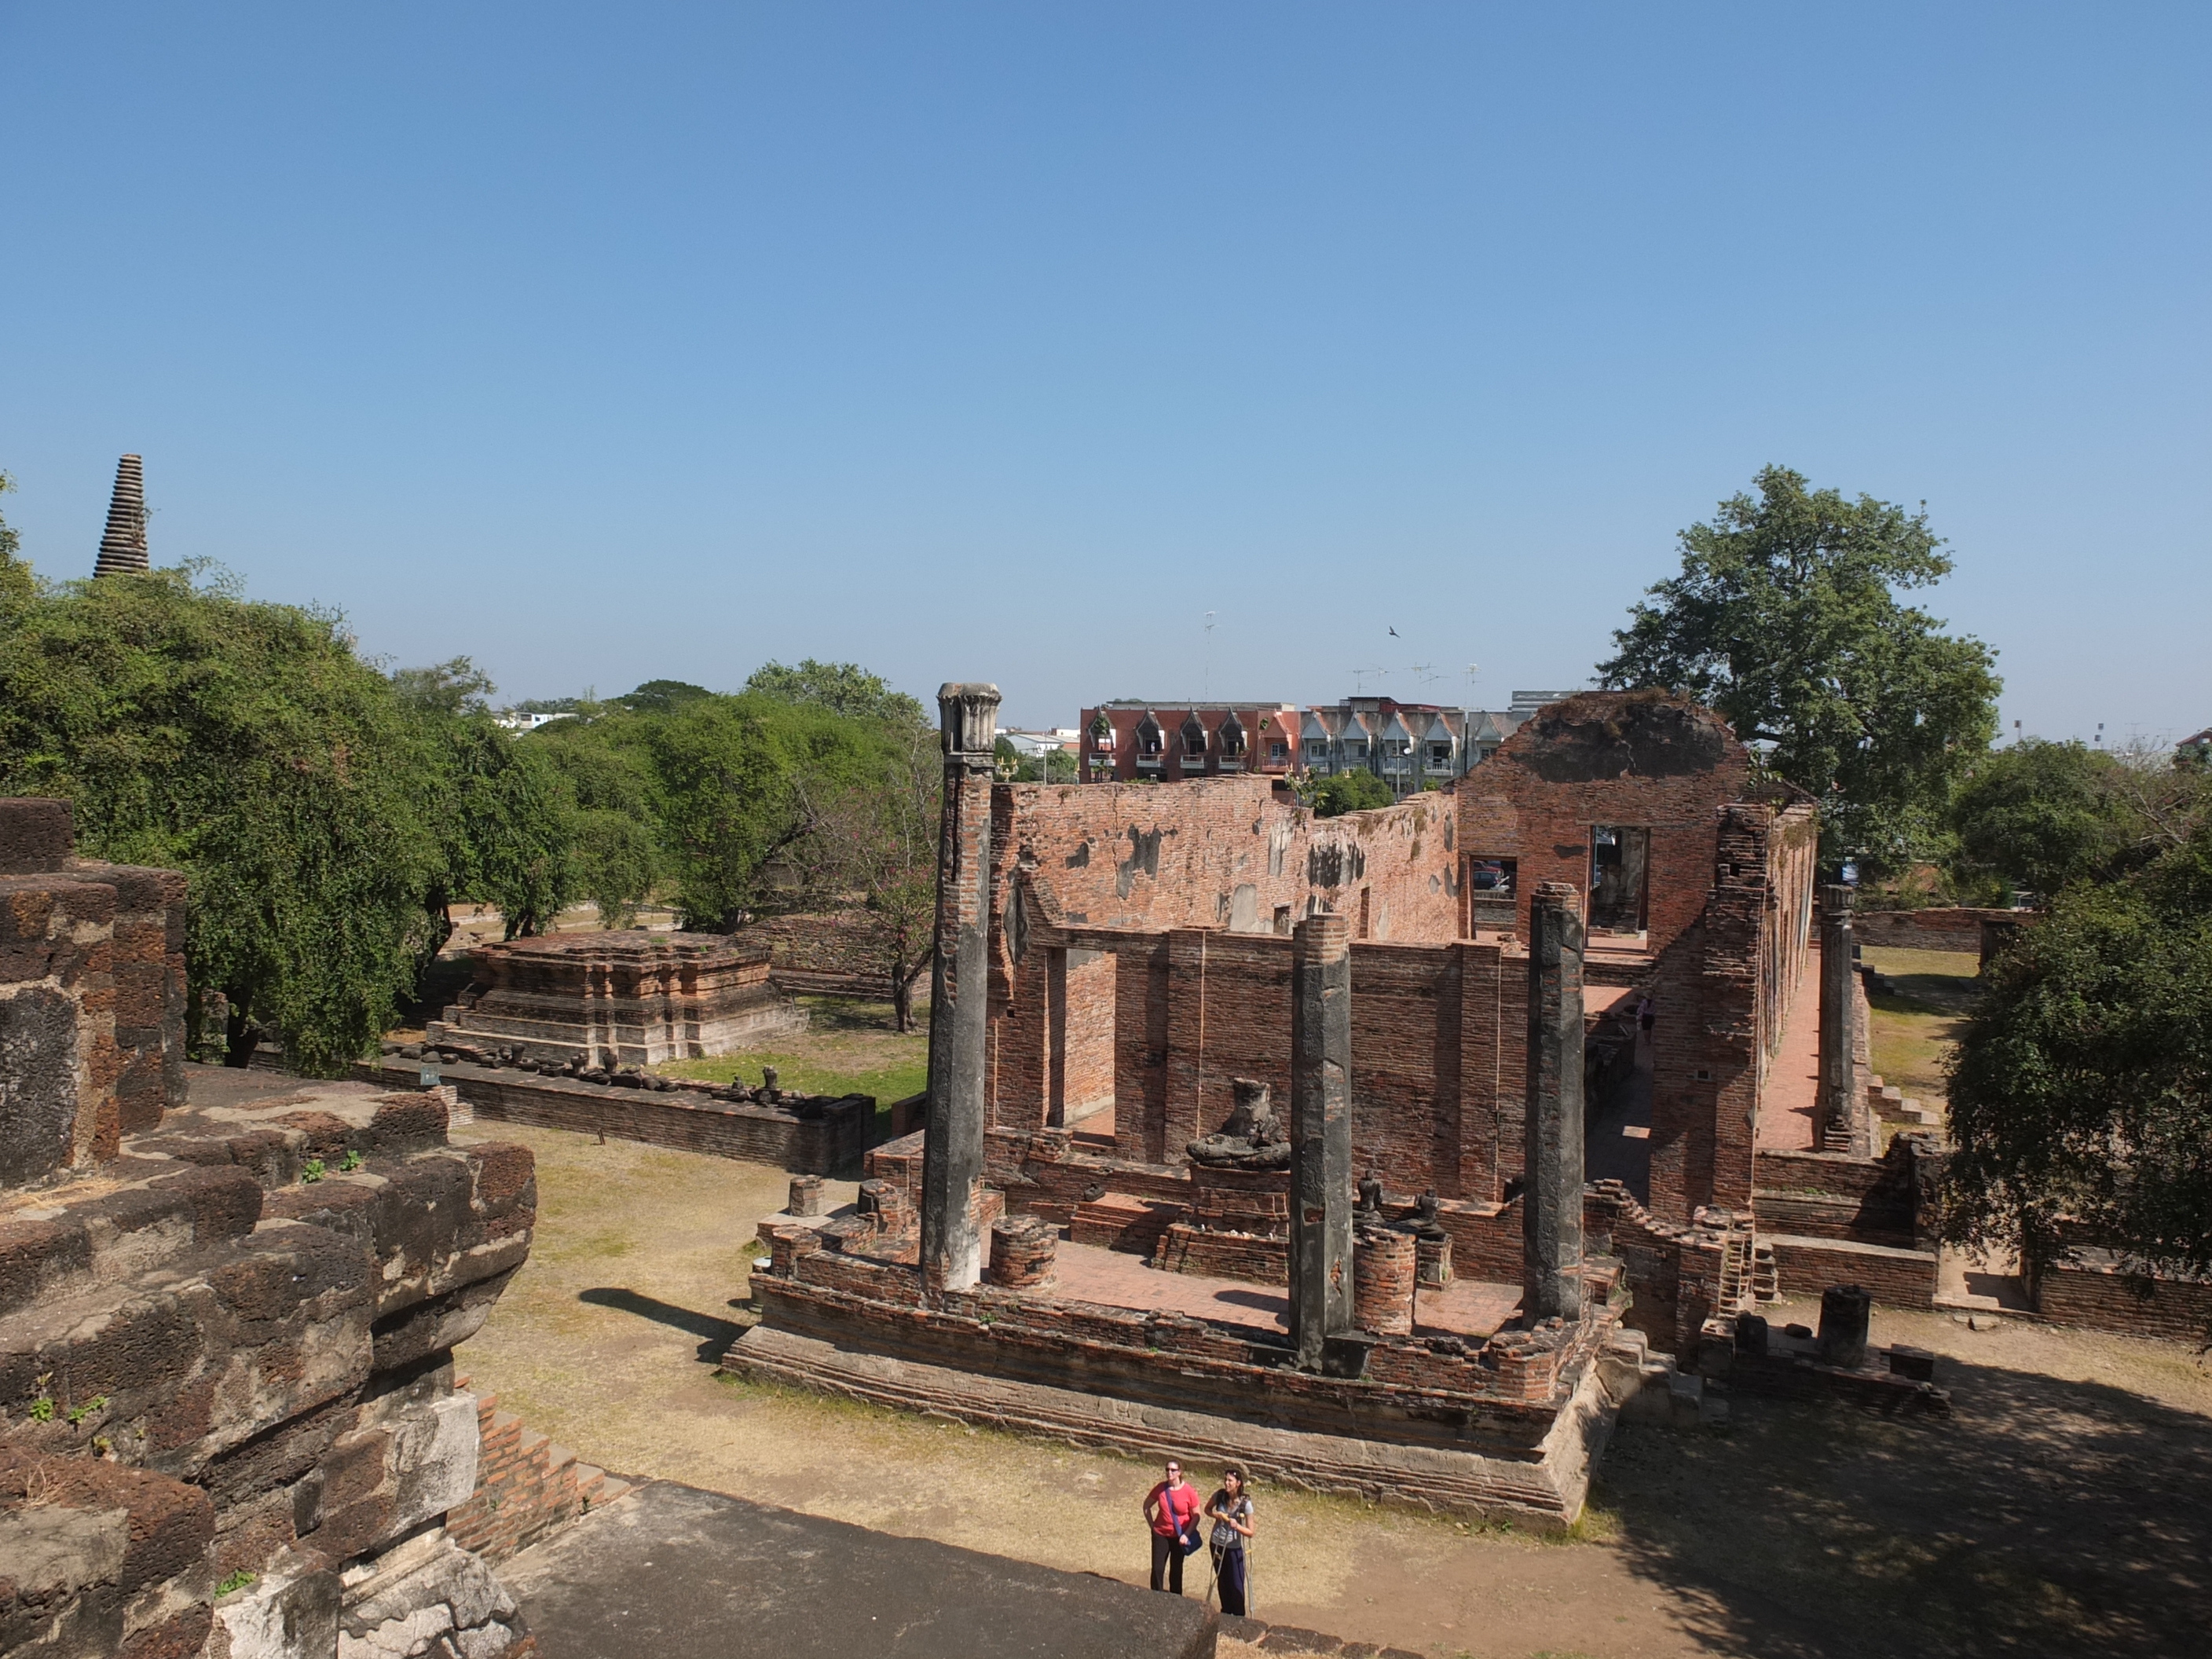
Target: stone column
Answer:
pixel 1321 1135
pixel 1845 1314
pixel 1839 1015
pixel 952 1145
pixel 1552 1199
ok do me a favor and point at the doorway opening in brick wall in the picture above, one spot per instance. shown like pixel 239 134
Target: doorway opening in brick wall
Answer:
pixel 1620 860
pixel 1488 882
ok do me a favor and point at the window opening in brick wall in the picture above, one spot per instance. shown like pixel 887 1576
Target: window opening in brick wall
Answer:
pixel 1620 860
pixel 1148 739
pixel 1283 920
pixel 1193 737
pixel 1363 893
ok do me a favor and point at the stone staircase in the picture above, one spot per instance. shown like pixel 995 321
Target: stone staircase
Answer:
pixel 527 1485
pixel 1118 1221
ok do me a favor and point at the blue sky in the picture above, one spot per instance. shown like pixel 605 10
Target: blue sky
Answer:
pixel 1006 341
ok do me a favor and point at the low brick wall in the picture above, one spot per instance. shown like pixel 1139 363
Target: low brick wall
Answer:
pixel 526 1487
pixel 1896 1278
pixel 2101 1295
pixel 1940 927
pixel 690 1122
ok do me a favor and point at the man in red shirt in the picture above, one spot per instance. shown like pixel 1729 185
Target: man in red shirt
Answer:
pixel 1172 1511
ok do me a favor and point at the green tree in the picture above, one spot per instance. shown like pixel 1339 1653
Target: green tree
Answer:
pixel 249 746
pixel 728 774
pixel 2081 1096
pixel 1349 791
pixel 2044 815
pixel 1785 618
pixel 615 857
pixel 662 696
pixel 505 815
pixel 842 688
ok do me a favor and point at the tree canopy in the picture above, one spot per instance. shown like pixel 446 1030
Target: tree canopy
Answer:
pixel 2041 817
pixel 247 745
pixel 1785 617
pixel 842 688
pixel 1349 791
pixel 2081 1096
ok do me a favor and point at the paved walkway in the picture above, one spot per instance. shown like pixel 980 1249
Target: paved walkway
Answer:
pixel 1119 1280
pixel 1789 1104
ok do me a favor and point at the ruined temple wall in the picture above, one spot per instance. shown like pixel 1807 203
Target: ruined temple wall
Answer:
pixel 1636 760
pixel 1438 1065
pixel 1222 853
pixel 1793 848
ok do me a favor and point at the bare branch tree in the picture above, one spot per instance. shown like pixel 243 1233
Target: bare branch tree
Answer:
pixel 874 847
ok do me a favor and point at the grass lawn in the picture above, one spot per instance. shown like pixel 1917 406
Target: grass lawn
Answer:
pixel 1915 1021
pixel 848 1048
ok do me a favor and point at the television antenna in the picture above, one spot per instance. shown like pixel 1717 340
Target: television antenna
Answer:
pixel 1423 677
pixel 1359 679
pixel 1206 681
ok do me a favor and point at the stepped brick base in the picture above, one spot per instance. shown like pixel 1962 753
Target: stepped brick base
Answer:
pixel 527 1485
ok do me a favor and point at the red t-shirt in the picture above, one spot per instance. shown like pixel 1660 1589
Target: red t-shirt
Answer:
pixel 1178 1508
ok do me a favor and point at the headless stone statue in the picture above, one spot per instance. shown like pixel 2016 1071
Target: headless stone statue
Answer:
pixel 1426 1224
pixel 1370 1198
pixel 1254 1138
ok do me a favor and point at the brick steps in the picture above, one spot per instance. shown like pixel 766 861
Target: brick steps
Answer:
pixel 527 1485
pixel 1118 1222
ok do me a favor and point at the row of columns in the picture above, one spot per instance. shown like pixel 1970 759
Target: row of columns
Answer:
pixel 1321 1259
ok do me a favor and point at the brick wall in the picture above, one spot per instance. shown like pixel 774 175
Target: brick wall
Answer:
pixel 2097 1291
pixel 823 951
pixel 526 1486
pixel 690 1122
pixel 1939 927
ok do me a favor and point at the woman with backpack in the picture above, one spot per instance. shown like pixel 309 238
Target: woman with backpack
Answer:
pixel 1230 1511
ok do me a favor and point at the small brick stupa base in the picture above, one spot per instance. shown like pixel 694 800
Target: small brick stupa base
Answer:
pixel 631 998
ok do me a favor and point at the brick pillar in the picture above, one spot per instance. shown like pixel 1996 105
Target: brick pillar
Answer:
pixel 1383 1268
pixel 959 1008
pixel 1839 1016
pixel 1321 1135
pixel 1844 1309
pixel 1552 1199
pixel 1023 1252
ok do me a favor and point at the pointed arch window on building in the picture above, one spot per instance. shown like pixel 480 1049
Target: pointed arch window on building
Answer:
pixel 1193 737
pixel 1148 739
pixel 1232 739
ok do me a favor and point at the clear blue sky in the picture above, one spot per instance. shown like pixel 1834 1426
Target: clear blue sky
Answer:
pixel 605 344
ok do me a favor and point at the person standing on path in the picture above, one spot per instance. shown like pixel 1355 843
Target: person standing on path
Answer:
pixel 1230 1511
pixel 1172 1511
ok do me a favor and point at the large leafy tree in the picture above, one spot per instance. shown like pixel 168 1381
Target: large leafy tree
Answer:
pixel 1785 617
pixel 2044 816
pixel 505 814
pixel 842 688
pixel 249 746
pixel 2081 1097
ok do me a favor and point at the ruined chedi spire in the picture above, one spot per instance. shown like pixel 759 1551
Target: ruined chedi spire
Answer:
pixel 123 549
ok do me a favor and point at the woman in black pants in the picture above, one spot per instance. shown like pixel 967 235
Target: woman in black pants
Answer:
pixel 1230 1511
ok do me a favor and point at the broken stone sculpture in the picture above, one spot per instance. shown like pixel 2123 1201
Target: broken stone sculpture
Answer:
pixel 1254 1138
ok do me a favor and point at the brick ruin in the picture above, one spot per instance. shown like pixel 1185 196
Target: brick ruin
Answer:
pixel 602 1001
pixel 1342 1063
pixel 228 1420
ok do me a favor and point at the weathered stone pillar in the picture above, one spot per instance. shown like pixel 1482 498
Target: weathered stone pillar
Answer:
pixel 1839 1015
pixel 1321 1135
pixel 952 1145
pixel 1552 1199
pixel 1846 1310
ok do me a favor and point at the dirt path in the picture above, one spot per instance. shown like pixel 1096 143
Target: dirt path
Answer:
pixel 2059 1503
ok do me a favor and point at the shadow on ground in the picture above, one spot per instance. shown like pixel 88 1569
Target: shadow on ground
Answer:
pixel 2044 1516
pixel 714 1334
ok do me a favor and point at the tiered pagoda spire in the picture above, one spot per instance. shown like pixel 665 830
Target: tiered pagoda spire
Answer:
pixel 123 549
